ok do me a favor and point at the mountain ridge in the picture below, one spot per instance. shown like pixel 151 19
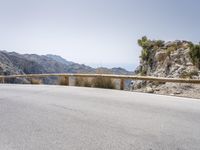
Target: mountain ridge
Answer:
pixel 15 63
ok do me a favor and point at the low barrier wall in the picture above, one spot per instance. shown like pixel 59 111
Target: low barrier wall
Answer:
pixel 121 77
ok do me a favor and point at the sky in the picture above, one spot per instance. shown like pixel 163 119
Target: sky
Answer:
pixel 95 32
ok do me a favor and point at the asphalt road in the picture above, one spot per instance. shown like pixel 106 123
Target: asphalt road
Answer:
pixel 39 117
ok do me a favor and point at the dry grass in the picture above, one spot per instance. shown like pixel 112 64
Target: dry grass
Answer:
pixel 85 82
pixel 98 82
pixel 35 81
pixel 103 82
pixel 2 80
pixel 63 81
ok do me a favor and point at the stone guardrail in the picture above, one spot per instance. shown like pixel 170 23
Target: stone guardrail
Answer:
pixel 121 77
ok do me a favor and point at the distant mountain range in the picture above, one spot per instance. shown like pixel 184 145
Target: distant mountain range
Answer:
pixel 15 63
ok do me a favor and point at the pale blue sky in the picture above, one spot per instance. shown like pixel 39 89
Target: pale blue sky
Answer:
pixel 95 32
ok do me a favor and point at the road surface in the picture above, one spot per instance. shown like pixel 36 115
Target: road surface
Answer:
pixel 41 117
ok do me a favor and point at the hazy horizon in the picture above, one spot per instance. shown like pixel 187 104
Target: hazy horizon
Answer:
pixel 92 32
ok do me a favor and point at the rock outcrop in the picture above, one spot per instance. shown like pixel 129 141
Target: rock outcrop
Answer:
pixel 168 59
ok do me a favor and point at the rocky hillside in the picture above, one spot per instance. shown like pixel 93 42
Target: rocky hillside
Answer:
pixel 15 63
pixel 173 59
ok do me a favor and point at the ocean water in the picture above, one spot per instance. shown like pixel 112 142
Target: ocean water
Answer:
pixel 129 67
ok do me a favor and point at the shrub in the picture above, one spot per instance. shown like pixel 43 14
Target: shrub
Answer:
pixel 142 41
pixel 159 43
pixel 103 82
pixel 195 54
pixel 35 81
pixel 85 82
pixel 2 80
pixel 145 43
pixel 190 44
pixel 63 80
pixel 150 62
pixel 148 47
pixel 189 74
pixel 145 55
pixel 170 50
pixel 143 71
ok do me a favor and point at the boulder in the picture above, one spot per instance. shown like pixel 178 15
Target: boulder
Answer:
pixel 177 92
pixel 149 90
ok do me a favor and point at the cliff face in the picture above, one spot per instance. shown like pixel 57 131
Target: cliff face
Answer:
pixel 176 59
pixel 170 59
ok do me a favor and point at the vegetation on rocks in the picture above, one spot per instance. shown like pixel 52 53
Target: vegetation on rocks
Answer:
pixel 172 59
pixel 146 45
pixel 156 52
pixel 149 48
pixel 189 74
pixel 195 54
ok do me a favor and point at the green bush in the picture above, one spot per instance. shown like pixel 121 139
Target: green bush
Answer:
pixel 189 74
pixel 142 41
pixel 148 46
pixel 159 43
pixel 195 54
pixel 145 54
pixel 143 71
pixel 145 43
pixel 170 50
